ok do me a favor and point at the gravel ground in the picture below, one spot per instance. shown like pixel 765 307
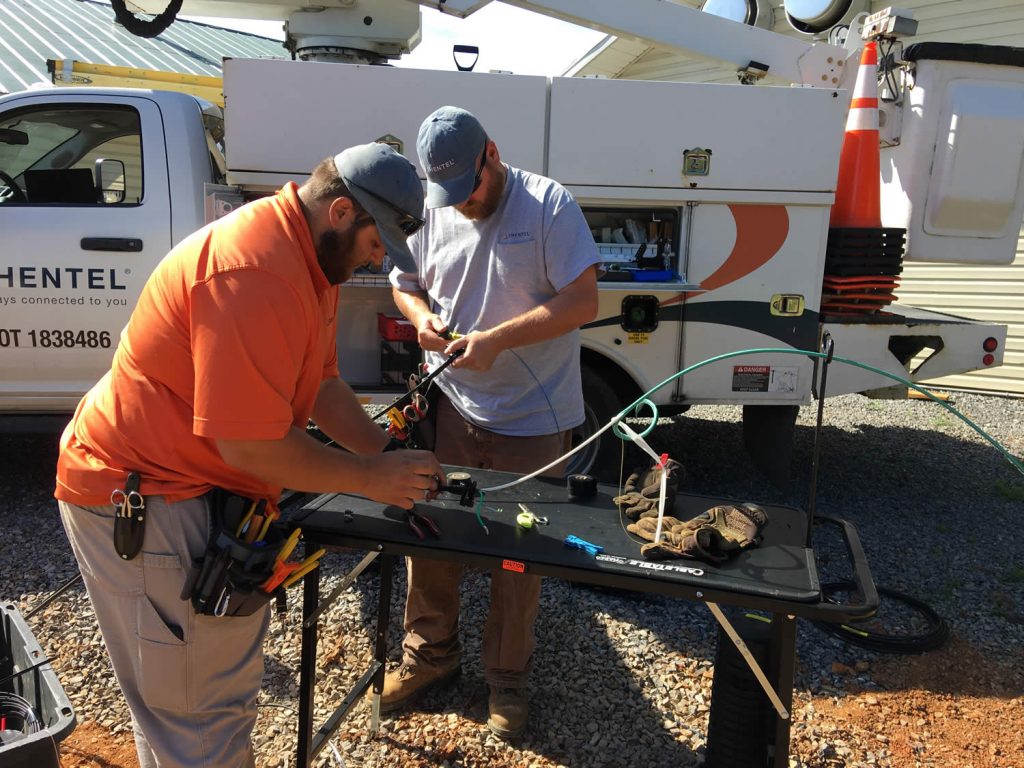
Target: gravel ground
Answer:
pixel 626 679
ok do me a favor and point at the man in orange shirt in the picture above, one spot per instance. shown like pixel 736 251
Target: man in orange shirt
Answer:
pixel 228 353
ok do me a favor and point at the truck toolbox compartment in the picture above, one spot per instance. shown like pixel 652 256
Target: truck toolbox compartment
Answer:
pixel 334 106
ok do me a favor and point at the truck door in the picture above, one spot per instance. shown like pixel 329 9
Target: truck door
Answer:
pixel 85 215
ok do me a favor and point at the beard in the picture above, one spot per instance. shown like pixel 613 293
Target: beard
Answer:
pixel 335 253
pixel 477 210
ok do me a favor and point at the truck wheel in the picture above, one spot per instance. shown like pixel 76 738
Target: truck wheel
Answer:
pixel 603 458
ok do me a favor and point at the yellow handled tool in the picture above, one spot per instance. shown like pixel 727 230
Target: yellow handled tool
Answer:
pixel 307 565
pixel 245 520
pixel 289 545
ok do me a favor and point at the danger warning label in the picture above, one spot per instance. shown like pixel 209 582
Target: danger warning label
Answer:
pixel 763 378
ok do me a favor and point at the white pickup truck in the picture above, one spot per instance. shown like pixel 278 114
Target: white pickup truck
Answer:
pixel 716 198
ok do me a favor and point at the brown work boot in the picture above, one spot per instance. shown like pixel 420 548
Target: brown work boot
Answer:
pixel 407 683
pixel 508 708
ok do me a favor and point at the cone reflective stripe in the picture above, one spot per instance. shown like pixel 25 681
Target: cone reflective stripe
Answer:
pixel 858 189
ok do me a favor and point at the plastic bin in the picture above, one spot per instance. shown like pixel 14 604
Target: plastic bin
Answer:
pixel 19 652
pixel 395 328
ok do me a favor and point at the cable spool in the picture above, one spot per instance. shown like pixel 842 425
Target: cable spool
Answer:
pixel 581 487
pixel 459 480
pixel 18 718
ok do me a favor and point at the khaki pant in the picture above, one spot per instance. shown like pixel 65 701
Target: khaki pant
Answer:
pixel 190 681
pixel 432 604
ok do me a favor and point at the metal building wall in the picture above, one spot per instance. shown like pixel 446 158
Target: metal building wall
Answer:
pixel 32 31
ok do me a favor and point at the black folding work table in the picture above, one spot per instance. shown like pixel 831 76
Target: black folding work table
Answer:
pixel 778 577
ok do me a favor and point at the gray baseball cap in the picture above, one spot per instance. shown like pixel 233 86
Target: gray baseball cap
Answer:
pixel 386 185
pixel 450 144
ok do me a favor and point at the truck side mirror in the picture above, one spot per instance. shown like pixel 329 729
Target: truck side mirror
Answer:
pixel 110 181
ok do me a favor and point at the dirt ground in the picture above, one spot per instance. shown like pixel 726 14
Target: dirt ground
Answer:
pixel 92 746
pixel 951 707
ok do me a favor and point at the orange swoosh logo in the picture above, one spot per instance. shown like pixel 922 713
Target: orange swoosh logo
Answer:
pixel 760 232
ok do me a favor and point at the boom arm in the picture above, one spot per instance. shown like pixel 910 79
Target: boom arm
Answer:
pixel 388 28
pixel 687 30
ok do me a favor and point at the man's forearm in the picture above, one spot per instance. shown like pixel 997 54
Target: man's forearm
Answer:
pixel 413 305
pixel 339 414
pixel 574 306
pixel 416 308
pixel 299 462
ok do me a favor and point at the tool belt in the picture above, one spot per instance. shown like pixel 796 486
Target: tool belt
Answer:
pixel 244 565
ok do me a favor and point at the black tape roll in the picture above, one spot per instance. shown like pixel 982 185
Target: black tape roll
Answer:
pixel 581 486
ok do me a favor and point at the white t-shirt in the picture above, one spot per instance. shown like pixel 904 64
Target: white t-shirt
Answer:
pixel 478 274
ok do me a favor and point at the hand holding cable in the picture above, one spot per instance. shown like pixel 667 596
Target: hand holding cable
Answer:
pixel 401 478
pixel 478 349
pixel 432 333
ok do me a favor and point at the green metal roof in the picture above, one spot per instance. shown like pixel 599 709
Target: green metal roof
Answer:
pixel 32 31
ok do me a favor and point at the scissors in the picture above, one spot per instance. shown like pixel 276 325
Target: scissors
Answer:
pixel 415 410
pixel 128 500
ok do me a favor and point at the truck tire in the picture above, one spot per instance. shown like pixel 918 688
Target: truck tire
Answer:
pixel 741 714
pixel 601 401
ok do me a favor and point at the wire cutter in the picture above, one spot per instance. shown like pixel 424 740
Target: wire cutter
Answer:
pixel 419 521
pixel 416 409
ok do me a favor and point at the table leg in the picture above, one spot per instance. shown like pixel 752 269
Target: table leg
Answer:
pixel 380 650
pixel 783 664
pixel 307 663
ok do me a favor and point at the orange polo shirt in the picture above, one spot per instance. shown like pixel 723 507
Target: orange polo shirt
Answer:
pixel 231 339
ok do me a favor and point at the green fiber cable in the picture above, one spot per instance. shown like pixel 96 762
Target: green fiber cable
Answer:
pixel 479 506
pixel 644 398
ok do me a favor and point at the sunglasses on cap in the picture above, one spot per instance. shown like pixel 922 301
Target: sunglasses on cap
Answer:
pixel 480 171
pixel 407 222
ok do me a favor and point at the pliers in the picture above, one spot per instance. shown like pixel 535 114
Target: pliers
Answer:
pixel 419 521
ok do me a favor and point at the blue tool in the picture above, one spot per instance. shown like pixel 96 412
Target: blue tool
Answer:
pixel 577 543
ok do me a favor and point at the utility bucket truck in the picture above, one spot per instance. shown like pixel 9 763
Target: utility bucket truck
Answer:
pixel 710 203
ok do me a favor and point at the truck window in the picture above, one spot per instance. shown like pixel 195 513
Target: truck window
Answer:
pixel 71 155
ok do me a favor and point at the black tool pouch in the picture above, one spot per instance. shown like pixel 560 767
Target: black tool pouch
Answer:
pixel 423 433
pixel 130 521
pixel 225 580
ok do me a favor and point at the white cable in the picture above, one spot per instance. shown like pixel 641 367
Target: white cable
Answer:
pixel 664 475
pixel 614 420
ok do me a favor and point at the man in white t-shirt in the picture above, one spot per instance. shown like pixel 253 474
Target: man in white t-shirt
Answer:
pixel 508 267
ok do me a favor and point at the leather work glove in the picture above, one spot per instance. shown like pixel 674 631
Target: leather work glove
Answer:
pixel 643 488
pixel 710 536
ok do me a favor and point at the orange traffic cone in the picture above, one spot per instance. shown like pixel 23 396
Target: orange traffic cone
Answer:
pixel 858 189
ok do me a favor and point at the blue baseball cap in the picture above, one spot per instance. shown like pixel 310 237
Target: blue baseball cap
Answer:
pixel 385 184
pixel 449 145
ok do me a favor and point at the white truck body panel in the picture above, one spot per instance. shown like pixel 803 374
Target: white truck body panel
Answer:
pixel 52 286
pixel 633 133
pixel 738 244
pixel 956 344
pixel 333 106
pixel 955 179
